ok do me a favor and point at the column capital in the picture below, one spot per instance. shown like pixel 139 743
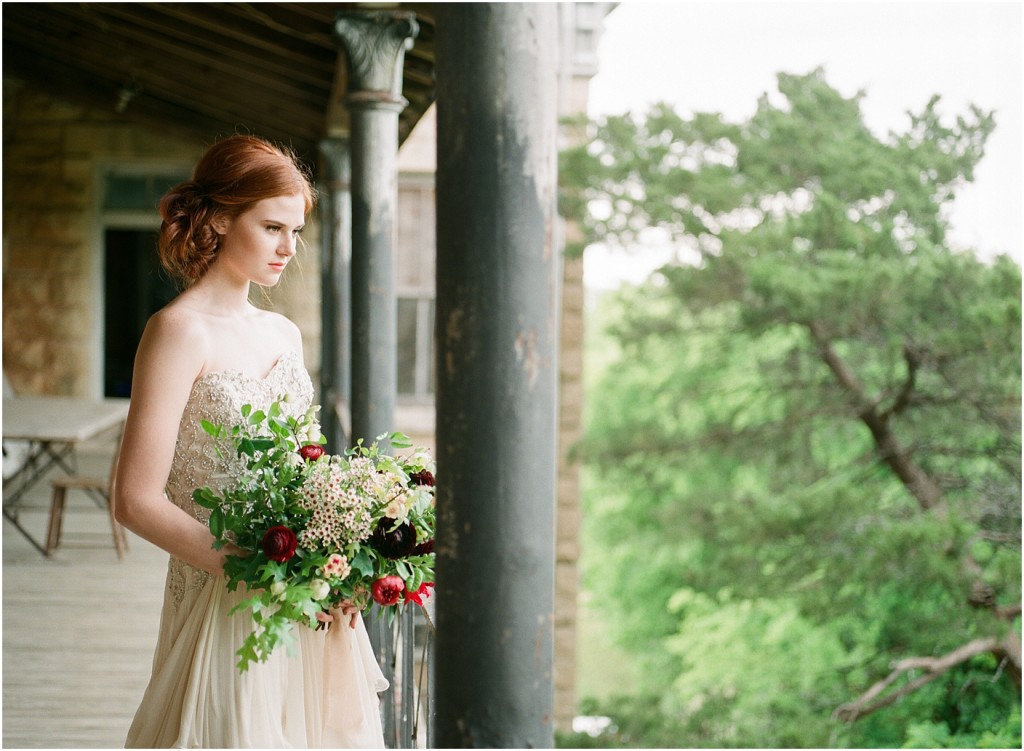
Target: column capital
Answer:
pixel 375 43
pixel 335 154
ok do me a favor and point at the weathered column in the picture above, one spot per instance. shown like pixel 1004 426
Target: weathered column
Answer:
pixel 497 320
pixel 335 314
pixel 375 44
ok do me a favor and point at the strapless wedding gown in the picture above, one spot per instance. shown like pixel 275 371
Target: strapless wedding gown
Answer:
pixel 321 695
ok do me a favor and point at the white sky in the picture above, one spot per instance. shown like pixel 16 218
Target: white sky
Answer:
pixel 721 56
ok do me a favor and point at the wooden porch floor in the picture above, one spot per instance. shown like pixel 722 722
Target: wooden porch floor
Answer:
pixel 79 629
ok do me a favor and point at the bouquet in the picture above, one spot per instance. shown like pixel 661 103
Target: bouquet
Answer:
pixel 318 530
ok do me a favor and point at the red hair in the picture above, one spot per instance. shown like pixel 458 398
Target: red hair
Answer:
pixel 231 176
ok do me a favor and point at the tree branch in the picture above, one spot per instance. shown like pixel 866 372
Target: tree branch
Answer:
pixel 921 486
pixel 873 699
pixel 1006 612
pixel 902 400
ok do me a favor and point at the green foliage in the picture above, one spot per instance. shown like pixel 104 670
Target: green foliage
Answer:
pixel 803 449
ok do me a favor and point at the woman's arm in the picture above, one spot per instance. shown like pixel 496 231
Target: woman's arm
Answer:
pixel 170 357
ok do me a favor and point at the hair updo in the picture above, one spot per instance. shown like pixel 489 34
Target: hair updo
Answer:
pixel 231 176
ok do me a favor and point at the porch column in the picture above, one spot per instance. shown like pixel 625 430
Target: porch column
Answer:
pixel 498 279
pixel 335 335
pixel 375 44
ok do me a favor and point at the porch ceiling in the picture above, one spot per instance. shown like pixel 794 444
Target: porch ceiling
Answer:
pixel 205 69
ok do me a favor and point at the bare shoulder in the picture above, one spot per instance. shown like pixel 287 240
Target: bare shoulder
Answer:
pixel 176 333
pixel 178 324
pixel 284 329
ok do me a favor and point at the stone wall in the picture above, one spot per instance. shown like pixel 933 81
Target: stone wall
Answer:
pixel 567 542
pixel 54 155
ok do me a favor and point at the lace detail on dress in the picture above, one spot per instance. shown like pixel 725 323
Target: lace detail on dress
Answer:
pixel 218 398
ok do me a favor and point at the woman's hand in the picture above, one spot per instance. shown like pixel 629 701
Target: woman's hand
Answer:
pixel 342 611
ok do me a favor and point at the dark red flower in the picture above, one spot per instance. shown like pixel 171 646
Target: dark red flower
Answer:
pixel 311 452
pixel 393 543
pixel 388 590
pixel 423 477
pixel 279 543
pixel 420 594
pixel 424 548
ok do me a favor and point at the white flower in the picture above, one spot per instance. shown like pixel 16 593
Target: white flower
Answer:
pixel 397 509
pixel 295 459
pixel 320 589
pixel 277 588
pixel 422 459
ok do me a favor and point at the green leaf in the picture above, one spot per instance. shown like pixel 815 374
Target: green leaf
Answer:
pixel 216 522
pixel 214 430
pixel 400 440
pixel 362 564
pixel 415 580
pixel 205 497
pixel 403 570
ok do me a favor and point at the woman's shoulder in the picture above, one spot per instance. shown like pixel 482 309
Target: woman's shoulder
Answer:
pixel 177 321
pixel 283 325
pixel 172 351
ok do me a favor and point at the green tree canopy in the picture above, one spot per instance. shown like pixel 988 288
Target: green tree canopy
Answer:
pixel 807 453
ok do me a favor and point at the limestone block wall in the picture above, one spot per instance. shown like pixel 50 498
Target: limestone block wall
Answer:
pixel 54 154
pixel 567 543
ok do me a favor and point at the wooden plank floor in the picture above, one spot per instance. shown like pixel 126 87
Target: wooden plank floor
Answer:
pixel 78 629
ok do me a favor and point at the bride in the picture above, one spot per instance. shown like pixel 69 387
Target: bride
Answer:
pixel 236 223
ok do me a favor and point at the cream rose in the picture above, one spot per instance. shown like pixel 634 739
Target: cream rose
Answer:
pixel 320 589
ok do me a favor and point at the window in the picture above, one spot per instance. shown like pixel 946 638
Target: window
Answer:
pixel 415 347
pixel 131 191
pixel 414 286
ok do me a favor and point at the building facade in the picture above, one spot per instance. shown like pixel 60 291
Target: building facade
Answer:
pixel 80 274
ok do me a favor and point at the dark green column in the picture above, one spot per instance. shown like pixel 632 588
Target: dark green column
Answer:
pixel 335 294
pixel 375 44
pixel 498 282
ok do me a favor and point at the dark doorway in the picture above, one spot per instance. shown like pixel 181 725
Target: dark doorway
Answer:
pixel 136 287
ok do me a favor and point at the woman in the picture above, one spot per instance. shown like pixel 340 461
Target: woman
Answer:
pixel 236 223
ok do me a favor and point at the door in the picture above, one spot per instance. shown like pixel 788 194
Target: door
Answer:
pixel 136 286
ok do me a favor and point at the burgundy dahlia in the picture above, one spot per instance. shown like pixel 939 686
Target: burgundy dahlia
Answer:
pixel 279 543
pixel 393 543
pixel 424 548
pixel 423 477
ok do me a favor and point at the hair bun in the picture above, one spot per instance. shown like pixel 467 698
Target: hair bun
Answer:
pixel 187 242
pixel 182 199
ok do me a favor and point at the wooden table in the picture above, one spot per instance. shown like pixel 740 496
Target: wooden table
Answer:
pixel 53 426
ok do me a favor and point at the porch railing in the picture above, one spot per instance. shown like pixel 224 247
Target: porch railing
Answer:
pixel 405 651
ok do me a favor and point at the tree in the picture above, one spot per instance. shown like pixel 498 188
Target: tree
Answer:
pixel 815 419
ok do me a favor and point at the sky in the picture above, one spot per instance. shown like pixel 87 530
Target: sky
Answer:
pixel 721 56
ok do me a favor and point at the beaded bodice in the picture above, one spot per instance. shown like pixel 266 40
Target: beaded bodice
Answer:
pixel 218 397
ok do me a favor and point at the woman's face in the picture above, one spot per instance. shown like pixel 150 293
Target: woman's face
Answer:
pixel 260 242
